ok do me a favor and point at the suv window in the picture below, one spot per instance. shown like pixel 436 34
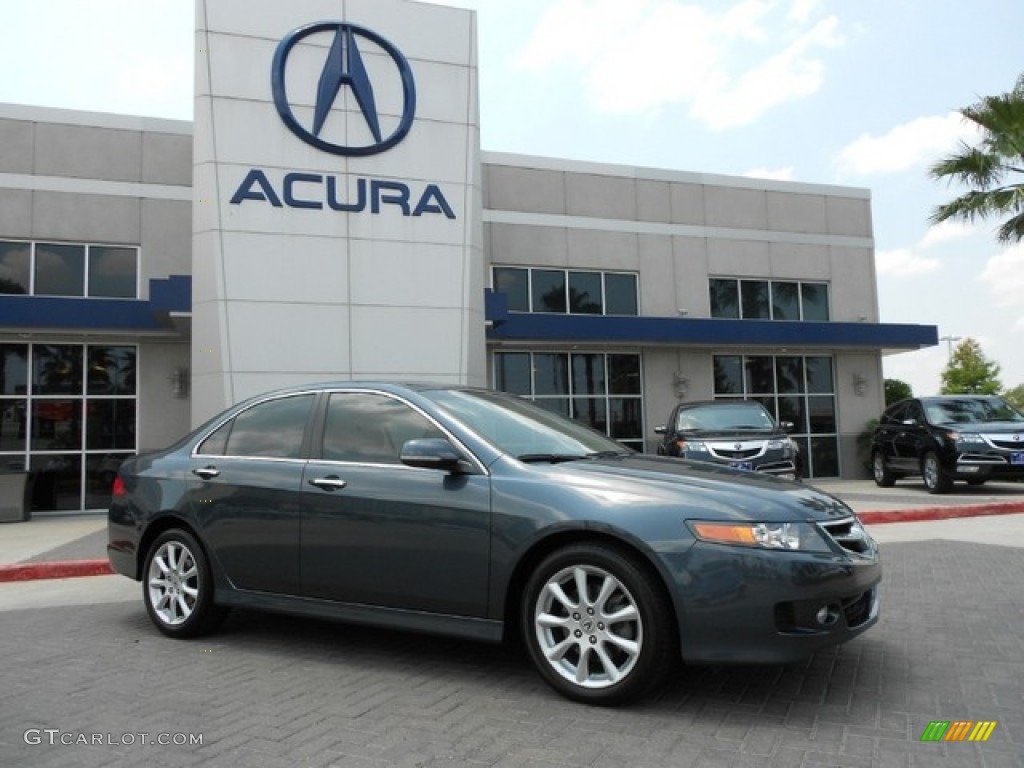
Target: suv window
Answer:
pixel 894 415
pixel 369 428
pixel 272 429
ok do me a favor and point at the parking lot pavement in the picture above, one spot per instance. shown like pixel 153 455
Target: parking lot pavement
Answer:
pixel 279 691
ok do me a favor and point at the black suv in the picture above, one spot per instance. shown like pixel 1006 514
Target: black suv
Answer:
pixel 946 438
pixel 737 433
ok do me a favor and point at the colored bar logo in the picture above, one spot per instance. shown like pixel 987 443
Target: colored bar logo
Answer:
pixel 958 730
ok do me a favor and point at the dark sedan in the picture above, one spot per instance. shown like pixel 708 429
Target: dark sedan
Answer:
pixel 974 438
pixel 473 513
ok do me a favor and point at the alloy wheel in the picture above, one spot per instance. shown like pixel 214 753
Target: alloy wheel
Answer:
pixel 173 583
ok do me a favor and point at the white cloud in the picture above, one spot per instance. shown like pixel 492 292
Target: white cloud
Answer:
pixel 729 66
pixel 778 174
pixel 1004 276
pixel 902 262
pixel 909 145
pixel 946 231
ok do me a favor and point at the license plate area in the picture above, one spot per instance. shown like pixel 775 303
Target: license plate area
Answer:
pixel 1017 457
pixel 748 466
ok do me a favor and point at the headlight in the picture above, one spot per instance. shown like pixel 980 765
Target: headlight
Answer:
pixel 969 438
pixel 691 446
pixel 788 536
pixel 786 445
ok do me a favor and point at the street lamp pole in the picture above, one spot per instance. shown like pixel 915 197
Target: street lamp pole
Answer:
pixel 949 344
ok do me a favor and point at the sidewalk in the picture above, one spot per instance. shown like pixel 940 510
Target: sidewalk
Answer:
pixel 52 546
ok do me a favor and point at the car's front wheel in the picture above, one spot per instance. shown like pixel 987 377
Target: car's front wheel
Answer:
pixel 935 478
pixel 178 588
pixel 598 625
pixel 883 477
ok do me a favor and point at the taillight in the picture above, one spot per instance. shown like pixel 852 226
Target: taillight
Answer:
pixel 117 490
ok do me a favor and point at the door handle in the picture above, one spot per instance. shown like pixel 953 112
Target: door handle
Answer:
pixel 206 472
pixel 329 483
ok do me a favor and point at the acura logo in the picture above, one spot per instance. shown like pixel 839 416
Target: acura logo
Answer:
pixel 343 67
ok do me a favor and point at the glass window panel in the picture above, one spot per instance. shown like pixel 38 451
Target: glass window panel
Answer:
pixel 514 283
pixel 217 443
pixel 513 372
pixel 592 411
pixel 585 293
pixel 815 302
pixel 113 272
pixel 13 369
pixel 636 445
pixel 620 294
pixel 728 374
pixel 819 374
pixel 57 369
pixel 368 428
pixel 624 375
pixel 803 455
pixel 769 403
pixel 821 412
pixel 548 290
pixel 100 470
pixel 625 414
pixel 110 424
pixel 588 375
pixel 760 375
pixel 56 425
pixel 60 270
pixel 273 429
pixel 111 371
pixel 824 457
pixel 550 374
pixel 12 424
pixel 754 297
pixel 789 372
pixel 15 267
pixel 559 405
pixel 794 409
pixel 785 301
pixel 56 482
pixel 725 298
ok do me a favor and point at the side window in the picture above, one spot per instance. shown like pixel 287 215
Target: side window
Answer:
pixel 894 415
pixel 914 411
pixel 368 428
pixel 217 442
pixel 273 429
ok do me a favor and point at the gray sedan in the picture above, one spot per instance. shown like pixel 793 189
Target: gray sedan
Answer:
pixel 472 513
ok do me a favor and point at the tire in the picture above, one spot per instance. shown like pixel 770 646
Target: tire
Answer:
pixel 935 478
pixel 883 477
pixel 177 586
pixel 608 646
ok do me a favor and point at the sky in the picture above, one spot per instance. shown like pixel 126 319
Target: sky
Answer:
pixel 858 93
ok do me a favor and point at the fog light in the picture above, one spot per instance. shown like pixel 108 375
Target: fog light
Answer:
pixel 969 468
pixel 827 615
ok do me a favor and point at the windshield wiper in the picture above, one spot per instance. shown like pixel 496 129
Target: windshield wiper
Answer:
pixel 606 454
pixel 551 458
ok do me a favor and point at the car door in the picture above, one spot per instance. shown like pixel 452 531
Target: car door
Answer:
pixel 910 437
pixel 244 484
pixel 378 532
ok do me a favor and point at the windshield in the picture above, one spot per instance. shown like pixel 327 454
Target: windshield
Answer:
pixel 522 429
pixel 968 410
pixel 724 416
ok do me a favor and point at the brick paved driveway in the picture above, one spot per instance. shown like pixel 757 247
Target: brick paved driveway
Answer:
pixel 284 692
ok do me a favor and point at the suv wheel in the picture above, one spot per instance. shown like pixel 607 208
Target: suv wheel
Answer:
pixel 597 625
pixel 178 588
pixel 883 477
pixel 935 478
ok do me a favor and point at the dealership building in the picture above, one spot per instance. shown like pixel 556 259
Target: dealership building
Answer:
pixel 329 214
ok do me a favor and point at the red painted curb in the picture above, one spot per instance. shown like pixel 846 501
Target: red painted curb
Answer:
pixel 67 569
pixel 940 513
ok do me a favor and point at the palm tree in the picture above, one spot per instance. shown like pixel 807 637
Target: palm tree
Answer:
pixel 994 168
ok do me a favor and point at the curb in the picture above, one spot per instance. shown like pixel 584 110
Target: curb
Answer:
pixel 923 514
pixel 64 569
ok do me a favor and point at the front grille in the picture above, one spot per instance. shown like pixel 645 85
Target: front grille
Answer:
pixel 848 534
pixel 1008 445
pixel 857 610
pixel 735 455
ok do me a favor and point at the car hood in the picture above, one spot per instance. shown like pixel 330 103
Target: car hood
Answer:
pixel 700 490
pixel 1002 427
pixel 729 434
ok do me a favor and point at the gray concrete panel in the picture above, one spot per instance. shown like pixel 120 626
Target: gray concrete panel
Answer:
pixel 789 212
pixel 653 201
pixel 166 241
pixel 608 197
pixel 16 139
pixel 15 213
pixel 848 216
pixel 657 275
pixel 87 152
pixel 525 189
pixel 735 207
pixel 591 249
pixel 163 417
pixel 688 205
pixel 167 158
pixel 522 245
pixel 691 275
pixel 738 258
pixel 799 261
pixel 853 295
pixel 85 218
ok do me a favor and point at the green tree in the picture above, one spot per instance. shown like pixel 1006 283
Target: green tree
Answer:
pixel 993 170
pixel 969 372
pixel 1015 397
pixel 896 390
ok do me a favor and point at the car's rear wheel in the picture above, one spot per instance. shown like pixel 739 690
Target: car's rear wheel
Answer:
pixel 597 625
pixel 178 588
pixel 935 478
pixel 883 477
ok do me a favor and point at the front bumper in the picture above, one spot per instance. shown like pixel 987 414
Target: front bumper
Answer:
pixel 749 605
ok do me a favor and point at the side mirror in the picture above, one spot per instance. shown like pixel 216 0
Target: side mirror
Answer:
pixel 662 430
pixel 787 426
pixel 433 453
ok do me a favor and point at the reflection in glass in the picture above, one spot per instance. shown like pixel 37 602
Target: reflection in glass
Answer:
pixel 56 425
pixel 60 270
pixel 794 409
pixel 585 293
pixel 821 412
pixel 728 374
pixel 824 456
pixel 514 283
pixel 273 428
pixel 109 424
pixel 513 372
pixel 100 470
pixel 592 411
pixel 12 424
pixel 626 418
pixel 624 375
pixel 559 405
pixel 548 290
pixel 790 374
pixel 13 369
pixel 113 272
pixel 620 294
pixel 785 301
pixel 815 302
pixel 754 297
pixel 111 370
pixel 57 369
pixel 759 374
pixel 15 265
pixel 550 374
pixel 819 374
pixel 588 374
pixel 725 298
pixel 56 481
